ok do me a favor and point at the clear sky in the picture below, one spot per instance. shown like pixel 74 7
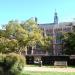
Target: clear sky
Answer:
pixel 42 9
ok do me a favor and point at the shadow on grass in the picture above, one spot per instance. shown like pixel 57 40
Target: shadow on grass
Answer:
pixel 72 66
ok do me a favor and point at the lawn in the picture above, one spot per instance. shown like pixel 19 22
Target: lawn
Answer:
pixel 48 73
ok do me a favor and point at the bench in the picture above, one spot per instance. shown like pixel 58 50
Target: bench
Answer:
pixel 60 63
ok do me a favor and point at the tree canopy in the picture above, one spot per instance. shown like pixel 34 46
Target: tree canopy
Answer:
pixel 16 36
pixel 69 43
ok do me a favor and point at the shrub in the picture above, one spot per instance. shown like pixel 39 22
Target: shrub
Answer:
pixel 12 64
pixel 1 71
pixel 2 58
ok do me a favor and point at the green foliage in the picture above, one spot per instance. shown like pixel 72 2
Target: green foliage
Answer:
pixel 69 43
pixel 17 62
pixel 46 43
pixel 11 64
pixel 34 33
pixel 8 45
pixel 2 33
pixel 2 58
pixel 17 36
pixel 11 28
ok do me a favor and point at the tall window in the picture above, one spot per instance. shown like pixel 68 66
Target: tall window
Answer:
pixel 58 38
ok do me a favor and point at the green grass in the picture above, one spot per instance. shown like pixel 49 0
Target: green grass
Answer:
pixel 48 73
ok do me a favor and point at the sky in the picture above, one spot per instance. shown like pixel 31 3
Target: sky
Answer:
pixel 42 9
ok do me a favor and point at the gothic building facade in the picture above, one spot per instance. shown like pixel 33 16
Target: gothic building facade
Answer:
pixel 54 30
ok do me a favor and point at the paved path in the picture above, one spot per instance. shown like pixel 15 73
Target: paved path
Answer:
pixel 49 69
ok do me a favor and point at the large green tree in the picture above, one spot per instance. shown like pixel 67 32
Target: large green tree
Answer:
pixel 21 35
pixel 34 32
pixel 69 43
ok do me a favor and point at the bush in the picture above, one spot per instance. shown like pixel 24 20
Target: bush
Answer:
pixel 11 64
pixel 1 71
pixel 2 58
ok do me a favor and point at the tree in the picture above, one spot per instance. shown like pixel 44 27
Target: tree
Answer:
pixel 69 43
pixel 19 36
pixel 7 45
pixel 2 33
pixel 35 35
pixel 34 32
pixel 14 36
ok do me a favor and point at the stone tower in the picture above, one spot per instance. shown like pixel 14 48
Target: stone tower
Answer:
pixel 55 18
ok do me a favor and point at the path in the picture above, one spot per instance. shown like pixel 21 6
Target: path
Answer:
pixel 49 69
